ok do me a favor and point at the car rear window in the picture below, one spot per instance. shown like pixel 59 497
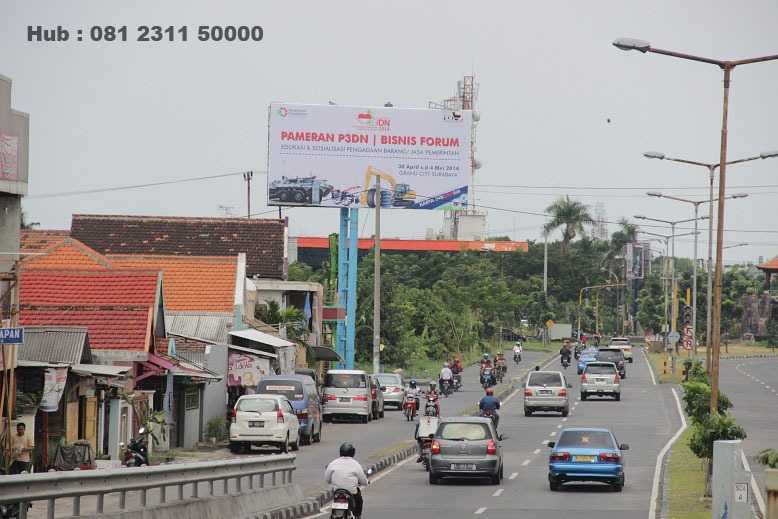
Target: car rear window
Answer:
pixel 345 380
pixel 464 431
pixel 389 380
pixel 610 355
pixel 601 369
pixel 586 439
pixel 257 405
pixel 544 379
pixel 291 389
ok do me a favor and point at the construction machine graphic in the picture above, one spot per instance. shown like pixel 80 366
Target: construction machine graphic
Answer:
pixel 398 195
pixel 299 190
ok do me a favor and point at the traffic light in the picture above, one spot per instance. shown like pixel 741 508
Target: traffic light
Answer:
pixel 687 315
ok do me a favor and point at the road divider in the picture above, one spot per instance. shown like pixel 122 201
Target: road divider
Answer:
pixel 652 509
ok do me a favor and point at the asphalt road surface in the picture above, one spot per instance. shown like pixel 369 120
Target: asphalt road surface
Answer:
pixel 645 418
pixel 390 430
pixel 752 385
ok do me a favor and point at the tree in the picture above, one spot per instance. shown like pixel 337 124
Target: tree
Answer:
pixel 704 434
pixel 26 225
pixel 768 457
pixel 571 216
pixel 696 398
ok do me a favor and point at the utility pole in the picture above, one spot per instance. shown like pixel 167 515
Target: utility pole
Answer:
pixel 247 176
pixel 377 279
pixel 545 266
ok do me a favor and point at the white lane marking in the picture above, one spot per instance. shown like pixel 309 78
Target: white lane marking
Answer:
pixel 498 492
pixel 552 433
pixel 545 442
pixel 525 463
pixel 564 419
pixel 513 476
pixel 559 426
pixel 661 457
pixel 650 369
pixel 536 451
pixel 754 487
pixel 480 510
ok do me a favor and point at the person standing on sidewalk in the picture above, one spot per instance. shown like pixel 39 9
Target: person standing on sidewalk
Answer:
pixel 21 447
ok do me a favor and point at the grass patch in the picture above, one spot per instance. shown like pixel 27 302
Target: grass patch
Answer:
pixel 660 363
pixel 737 349
pixel 539 346
pixel 685 480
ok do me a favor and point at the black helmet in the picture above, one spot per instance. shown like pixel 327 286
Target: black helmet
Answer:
pixel 347 450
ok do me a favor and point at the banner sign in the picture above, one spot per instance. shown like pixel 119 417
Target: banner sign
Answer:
pixel 246 370
pixel 634 257
pixel 331 156
pixel 9 157
pixel 54 380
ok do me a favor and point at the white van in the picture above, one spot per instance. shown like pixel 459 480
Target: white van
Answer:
pixel 347 392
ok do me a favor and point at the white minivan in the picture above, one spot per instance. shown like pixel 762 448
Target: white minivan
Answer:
pixel 347 392
pixel 264 420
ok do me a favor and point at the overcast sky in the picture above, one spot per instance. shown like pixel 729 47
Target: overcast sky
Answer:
pixel 128 113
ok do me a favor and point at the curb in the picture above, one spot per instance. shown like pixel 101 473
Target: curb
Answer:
pixel 753 356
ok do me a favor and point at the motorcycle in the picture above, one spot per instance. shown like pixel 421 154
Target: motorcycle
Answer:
pixel 409 407
pixel 432 407
pixel 488 378
pixel 341 503
pixel 136 454
pixel 457 382
pixel 565 362
pixel 517 357
pixel 445 387
pixel 426 449
pixel 487 413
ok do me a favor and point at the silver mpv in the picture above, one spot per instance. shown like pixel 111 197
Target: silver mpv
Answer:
pixel 546 391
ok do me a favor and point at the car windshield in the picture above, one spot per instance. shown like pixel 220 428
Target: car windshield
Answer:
pixel 601 369
pixel 464 431
pixel 345 380
pixel 256 405
pixel 611 355
pixel 389 380
pixel 586 440
pixel 544 379
pixel 587 356
pixel 291 389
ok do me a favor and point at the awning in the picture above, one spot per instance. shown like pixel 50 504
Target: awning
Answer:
pixel 158 364
pixel 39 364
pixel 262 338
pixel 252 351
pixel 100 370
pixel 326 354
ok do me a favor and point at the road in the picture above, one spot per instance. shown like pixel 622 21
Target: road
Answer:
pixel 645 418
pixel 392 429
pixel 752 385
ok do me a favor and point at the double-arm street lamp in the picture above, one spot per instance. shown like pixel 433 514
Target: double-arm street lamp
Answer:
pixel 696 204
pixel 711 175
pixel 727 66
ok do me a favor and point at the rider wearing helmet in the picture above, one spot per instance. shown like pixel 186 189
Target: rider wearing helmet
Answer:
pixel 413 390
pixel 446 375
pixel 347 474
pixel 490 403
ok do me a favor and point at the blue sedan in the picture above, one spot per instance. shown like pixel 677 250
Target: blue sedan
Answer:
pixel 586 358
pixel 586 454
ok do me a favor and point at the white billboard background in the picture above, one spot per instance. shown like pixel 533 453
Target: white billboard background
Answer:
pixel 330 156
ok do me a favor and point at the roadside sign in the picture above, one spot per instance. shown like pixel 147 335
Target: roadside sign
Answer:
pixel 11 335
pixel 549 323
pixel 687 338
pixel 741 492
pixel 673 336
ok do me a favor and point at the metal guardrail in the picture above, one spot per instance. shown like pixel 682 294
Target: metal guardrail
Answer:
pixel 235 475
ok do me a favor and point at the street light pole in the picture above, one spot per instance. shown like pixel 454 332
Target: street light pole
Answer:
pixel 727 66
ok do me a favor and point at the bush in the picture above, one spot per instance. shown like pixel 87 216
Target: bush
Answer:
pixel 215 428
pixel 714 428
pixel 696 398
pixel 768 457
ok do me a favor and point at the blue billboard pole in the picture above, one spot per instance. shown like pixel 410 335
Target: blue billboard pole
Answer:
pixel 340 346
pixel 351 300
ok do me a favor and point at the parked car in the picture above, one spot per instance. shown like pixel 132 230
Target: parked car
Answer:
pixel 625 345
pixel 616 356
pixel 546 391
pixel 394 386
pixel 377 397
pixel 586 454
pixel 347 392
pixel 301 391
pixel 601 379
pixel 466 446
pixel 586 357
pixel 264 420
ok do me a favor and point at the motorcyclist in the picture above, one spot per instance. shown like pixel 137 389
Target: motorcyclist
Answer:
pixel 427 425
pixel 517 349
pixel 490 403
pixel 413 390
pixel 446 375
pixel 485 362
pixel 432 394
pixel 565 352
pixel 457 367
pixel 347 474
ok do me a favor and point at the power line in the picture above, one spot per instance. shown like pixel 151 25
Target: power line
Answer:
pixel 138 186
pixel 627 188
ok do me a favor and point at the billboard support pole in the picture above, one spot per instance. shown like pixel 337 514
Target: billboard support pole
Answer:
pixel 340 345
pixel 351 299
pixel 377 279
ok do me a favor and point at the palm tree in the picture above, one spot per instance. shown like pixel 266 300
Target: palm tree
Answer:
pixel 571 215
pixel 627 233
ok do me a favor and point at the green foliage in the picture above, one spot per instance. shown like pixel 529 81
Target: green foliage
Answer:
pixel 303 272
pixel 697 373
pixel 215 428
pixel 152 421
pixel 713 428
pixel 571 216
pixel 768 457
pixel 696 398
pixel 772 331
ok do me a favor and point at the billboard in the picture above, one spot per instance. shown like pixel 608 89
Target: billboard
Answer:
pixel 635 263
pixel 331 156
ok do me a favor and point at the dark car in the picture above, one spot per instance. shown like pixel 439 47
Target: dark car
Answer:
pixel 302 393
pixel 466 447
pixel 586 454
pixel 616 356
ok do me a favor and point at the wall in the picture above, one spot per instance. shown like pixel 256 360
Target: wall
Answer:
pixel 12 124
pixel 214 398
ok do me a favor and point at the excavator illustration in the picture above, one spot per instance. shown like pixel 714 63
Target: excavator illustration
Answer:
pixel 398 195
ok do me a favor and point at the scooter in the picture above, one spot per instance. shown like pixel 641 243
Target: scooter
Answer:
pixel 409 407
pixel 517 357
pixel 491 415
pixel 341 503
pixel 445 387
pixel 136 454
pixel 457 382
pixel 487 378
pixel 565 362
pixel 431 408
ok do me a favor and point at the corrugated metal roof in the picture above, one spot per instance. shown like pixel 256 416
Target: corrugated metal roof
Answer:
pixel 206 326
pixel 65 344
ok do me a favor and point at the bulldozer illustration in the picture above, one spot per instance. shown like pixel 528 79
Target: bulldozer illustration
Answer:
pixel 398 194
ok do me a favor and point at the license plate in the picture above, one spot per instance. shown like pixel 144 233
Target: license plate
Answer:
pixel 340 506
pixel 256 424
pixel 588 459
pixel 463 466
pixel 544 392
pixel 344 399
pixel 599 382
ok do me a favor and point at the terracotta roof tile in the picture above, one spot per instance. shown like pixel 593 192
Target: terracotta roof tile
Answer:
pixel 66 254
pixel 770 265
pixel 116 307
pixel 263 240
pixel 189 283
pixel 36 240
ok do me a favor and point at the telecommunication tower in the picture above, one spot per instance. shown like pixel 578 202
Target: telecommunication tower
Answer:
pixel 600 227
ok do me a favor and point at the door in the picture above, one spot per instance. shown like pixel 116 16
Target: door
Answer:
pixel 71 422
pixel 90 421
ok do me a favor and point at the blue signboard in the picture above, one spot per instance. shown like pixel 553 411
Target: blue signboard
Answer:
pixel 11 335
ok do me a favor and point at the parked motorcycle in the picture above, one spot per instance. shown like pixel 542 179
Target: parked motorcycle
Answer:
pixel 409 407
pixel 136 454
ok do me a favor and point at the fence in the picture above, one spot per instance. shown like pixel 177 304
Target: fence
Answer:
pixel 107 491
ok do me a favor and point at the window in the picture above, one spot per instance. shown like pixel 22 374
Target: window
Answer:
pixel 192 399
pixel 610 355
pixel 345 380
pixel 389 380
pixel 464 431
pixel 256 405
pixel 586 439
pixel 601 369
pixel 291 389
pixel 545 379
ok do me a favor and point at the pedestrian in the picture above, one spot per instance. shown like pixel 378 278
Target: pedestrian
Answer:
pixel 21 447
